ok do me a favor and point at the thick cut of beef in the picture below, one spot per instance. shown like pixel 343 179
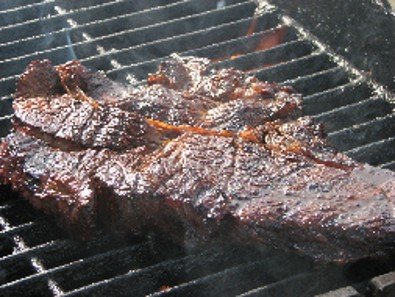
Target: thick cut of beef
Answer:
pixel 200 154
pixel 186 90
pixel 171 106
pixel 212 185
pixel 237 115
pixel 73 104
pixel 194 77
pixel 82 123
pixel 42 79
pixel 55 181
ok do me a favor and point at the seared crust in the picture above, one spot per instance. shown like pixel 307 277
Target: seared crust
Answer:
pixel 200 154
pixel 82 123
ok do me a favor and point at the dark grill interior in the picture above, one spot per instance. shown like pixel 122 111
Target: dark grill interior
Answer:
pixel 127 40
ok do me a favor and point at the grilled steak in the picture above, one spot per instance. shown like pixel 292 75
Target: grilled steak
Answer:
pixel 82 123
pixel 198 153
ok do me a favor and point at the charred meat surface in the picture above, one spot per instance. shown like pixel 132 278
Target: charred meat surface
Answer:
pixel 201 154
pixel 82 123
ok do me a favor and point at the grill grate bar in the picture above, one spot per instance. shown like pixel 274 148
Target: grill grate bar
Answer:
pixel 304 284
pixel 375 153
pixel 85 25
pixel 6 117
pixel 16 3
pixel 10 230
pixel 348 291
pixel 125 256
pixel 4 98
pixel 211 280
pixel 286 52
pixel 319 81
pixel 70 251
pixel 280 288
pixel 34 263
pixel 78 4
pixel 365 133
pixel 149 279
pixel 297 67
pixel 339 96
pixel 7 261
pixel 26 14
pixel 120 33
pixel 246 44
pixel 15 65
pixel 4 207
pixel 356 113
pixel 27 6
pixel 33 233
pixel 55 16
pixel 238 279
pixel 389 165
pixel 212 51
pixel 163 43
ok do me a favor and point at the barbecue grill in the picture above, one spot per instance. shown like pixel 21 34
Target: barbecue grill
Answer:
pixel 287 42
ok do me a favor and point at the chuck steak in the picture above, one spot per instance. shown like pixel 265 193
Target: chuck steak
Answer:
pixel 201 154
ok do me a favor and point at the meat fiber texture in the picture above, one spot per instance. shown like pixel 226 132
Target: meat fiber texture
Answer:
pixel 198 153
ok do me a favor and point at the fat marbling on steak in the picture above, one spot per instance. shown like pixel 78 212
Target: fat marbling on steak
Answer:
pixel 198 153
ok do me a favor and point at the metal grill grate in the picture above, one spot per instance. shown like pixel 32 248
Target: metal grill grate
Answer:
pixel 36 259
pixel 127 39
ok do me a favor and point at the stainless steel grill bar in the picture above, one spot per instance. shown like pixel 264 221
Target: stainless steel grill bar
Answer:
pixel 389 165
pixel 141 282
pixel 319 81
pixel 121 258
pixel 38 41
pixel 374 130
pixel 356 113
pixel 376 153
pixel 237 279
pixel 55 16
pixel 303 284
pixel 16 3
pixel 215 51
pixel 327 100
pixel 164 47
pixel 23 7
pixel 33 266
pixel 14 64
pixel 295 68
